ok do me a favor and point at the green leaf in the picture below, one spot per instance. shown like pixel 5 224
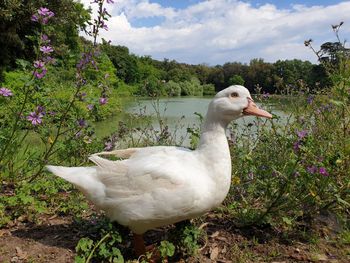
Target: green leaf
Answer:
pixel 167 249
pixel 84 245
pixel 117 256
pixel 79 259
pixel 287 220
pixel 337 102
pixel 103 251
pixel 342 201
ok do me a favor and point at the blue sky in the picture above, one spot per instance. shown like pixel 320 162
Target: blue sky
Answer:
pixel 219 31
pixel 282 4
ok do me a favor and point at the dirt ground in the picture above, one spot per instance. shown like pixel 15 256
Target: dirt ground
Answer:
pixel 55 238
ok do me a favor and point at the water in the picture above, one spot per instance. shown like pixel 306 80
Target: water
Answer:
pixel 178 114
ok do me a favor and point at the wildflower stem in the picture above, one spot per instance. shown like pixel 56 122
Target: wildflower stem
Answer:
pixel 96 246
pixel 18 116
pixel 58 134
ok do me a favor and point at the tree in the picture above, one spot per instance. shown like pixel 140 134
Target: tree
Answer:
pixel 236 80
pixel 16 26
pixel 126 64
pixel 259 73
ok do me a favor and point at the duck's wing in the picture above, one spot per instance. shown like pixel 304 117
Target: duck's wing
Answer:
pixel 131 152
pixel 150 186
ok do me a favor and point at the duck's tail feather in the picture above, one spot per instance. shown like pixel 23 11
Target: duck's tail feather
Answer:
pixel 85 178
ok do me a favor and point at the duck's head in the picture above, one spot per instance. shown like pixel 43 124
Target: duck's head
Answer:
pixel 234 102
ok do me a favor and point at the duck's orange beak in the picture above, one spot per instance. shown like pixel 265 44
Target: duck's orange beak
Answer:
pixel 252 109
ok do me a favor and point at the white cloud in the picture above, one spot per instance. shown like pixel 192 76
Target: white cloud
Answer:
pixel 219 31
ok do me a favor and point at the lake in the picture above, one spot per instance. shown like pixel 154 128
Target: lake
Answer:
pixel 178 114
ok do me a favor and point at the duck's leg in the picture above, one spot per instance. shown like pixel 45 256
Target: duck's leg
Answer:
pixel 139 245
pixel 141 249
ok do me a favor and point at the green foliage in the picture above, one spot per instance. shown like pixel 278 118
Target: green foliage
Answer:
pixel 236 80
pixel 208 90
pixel 166 249
pixel 288 169
pixel 103 249
pixel 189 243
pixel 172 88
pixel 16 27
pixel 191 87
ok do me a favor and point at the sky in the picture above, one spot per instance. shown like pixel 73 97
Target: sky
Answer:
pixel 217 31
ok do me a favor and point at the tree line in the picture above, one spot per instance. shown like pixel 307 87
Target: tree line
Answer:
pixel 144 75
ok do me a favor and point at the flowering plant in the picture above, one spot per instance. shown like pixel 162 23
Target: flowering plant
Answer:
pixel 55 119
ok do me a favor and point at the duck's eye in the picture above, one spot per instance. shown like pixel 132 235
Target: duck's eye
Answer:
pixel 234 95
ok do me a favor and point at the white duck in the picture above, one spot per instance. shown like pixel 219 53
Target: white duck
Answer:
pixel 156 186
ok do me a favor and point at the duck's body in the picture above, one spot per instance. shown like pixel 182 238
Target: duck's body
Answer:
pixel 156 186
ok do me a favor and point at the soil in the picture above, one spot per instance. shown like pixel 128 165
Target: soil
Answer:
pixel 54 240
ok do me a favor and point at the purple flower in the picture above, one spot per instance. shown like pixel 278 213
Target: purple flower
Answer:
pixel 310 99
pixel 81 123
pixel 90 106
pixel 103 101
pixel 323 171
pixel 45 38
pixel 302 134
pixel 296 174
pixel 5 92
pixel 266 95
pixel 78 134
pixel 35 118
pixel 312 169
pixel 108 146
pixel 40 109
pixel 45 12
pixel 43 15
pixel 81 96
pixel 34 18
pixel 46 49
pixel 45 20
pixel 39 64
pixel 296 146
pixel 251 176
pixel 40 74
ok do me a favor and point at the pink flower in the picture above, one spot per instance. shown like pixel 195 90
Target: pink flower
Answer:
pixel 323 171
pixel 5 92
pixel 45 12
pixel 35 118
pixel 46 49
pixel 40 73
pixel 42 16
pixel 103 101
pixel 312 169
pixel 302 134
pixel 34 18
pixel 39 64
pixel 45 38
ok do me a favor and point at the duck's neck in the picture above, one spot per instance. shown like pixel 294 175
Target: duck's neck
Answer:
pixel 213 135
pixel 214 150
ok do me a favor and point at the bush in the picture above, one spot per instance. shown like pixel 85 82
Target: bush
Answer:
pixel 296 167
